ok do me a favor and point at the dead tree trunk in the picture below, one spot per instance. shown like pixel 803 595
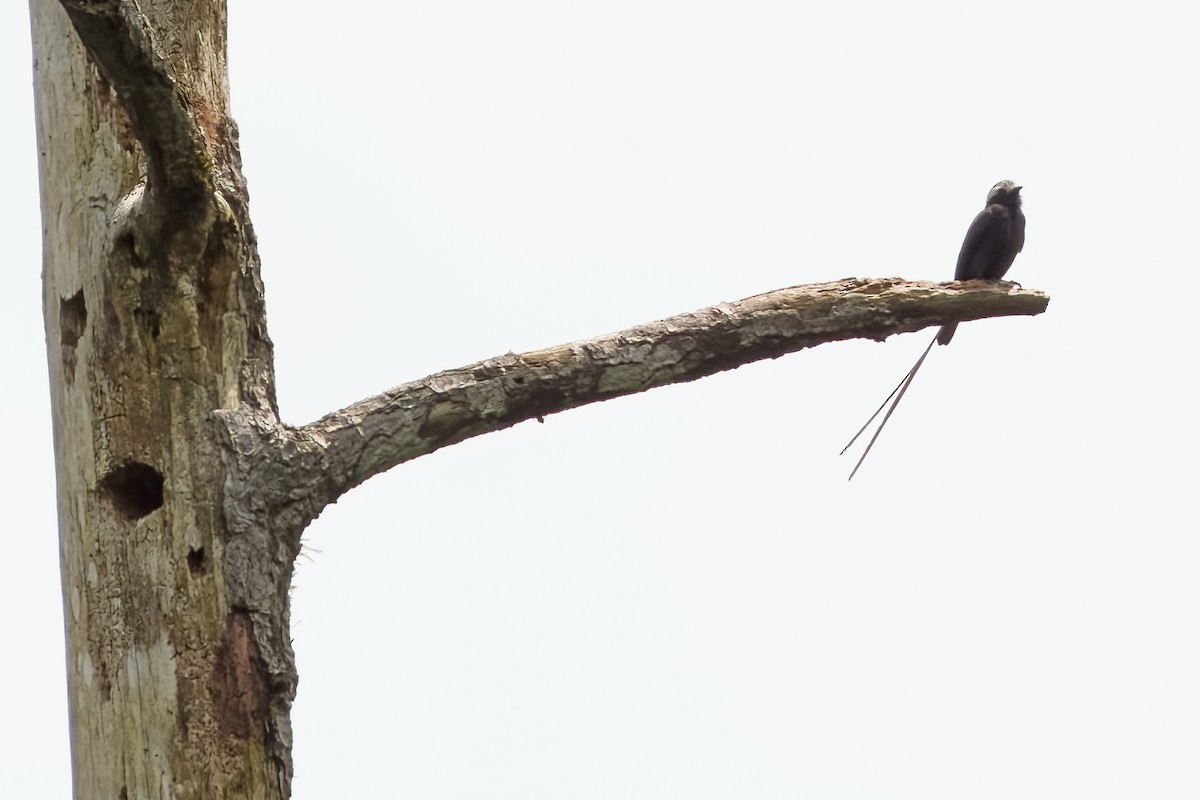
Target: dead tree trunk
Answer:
pixel 181 495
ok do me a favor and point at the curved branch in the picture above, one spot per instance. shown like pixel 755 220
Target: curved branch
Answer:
pixel 120 42
pixel 313 465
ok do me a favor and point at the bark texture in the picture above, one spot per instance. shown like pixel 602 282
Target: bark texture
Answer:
pixel 311 466
pixel 179 684
pixel 181 496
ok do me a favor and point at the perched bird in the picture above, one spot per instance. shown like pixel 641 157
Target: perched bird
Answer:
pixel 991 245
pixel 995 237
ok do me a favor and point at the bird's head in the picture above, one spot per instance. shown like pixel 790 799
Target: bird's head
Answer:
pixel 1006 193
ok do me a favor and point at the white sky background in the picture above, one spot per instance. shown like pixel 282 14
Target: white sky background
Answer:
pixel 678 594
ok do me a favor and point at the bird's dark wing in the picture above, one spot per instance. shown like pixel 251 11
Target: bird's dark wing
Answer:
pixel 987 236
pixel 1018 229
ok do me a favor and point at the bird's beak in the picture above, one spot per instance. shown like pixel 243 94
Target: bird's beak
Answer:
pixel 1018 188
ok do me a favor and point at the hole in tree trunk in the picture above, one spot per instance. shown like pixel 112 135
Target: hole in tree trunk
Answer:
pixel 72 319
pixel 195 559
pixel 135 489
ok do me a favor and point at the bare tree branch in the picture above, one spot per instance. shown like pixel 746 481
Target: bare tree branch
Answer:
pixel 184 211
pixel 317 463
pixel 120 42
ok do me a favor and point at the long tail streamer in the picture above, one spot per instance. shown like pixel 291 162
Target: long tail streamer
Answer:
pixel 898 393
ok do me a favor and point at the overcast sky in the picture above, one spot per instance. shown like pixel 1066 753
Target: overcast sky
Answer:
pixel 678 594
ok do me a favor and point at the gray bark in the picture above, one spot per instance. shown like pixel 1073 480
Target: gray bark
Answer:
pixel 311 466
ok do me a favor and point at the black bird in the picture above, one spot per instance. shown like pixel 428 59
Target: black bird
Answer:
pixel 991 245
